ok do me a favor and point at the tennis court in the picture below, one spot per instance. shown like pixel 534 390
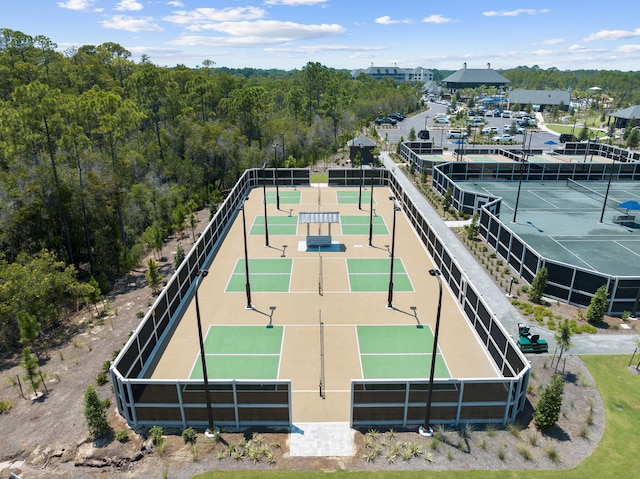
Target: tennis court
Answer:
pixel 369 275
pixel 398 352
pixel 359 225
pixel 353 197
pixel 240 352
pixel 561 220
pixel 265 275
pixel 287 197
pixel 278 225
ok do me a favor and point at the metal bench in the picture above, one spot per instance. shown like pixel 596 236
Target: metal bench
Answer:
pixel 624 219
pixel 318 240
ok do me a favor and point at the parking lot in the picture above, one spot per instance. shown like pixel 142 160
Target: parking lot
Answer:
pixel 438 131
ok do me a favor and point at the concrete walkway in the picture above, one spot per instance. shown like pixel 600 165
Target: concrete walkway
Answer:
pixel 317 439
pixel 499 303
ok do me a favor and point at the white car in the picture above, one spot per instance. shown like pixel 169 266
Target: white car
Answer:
pixel 442 120
pixel 489 130
pixel 456 134
pixel 502 138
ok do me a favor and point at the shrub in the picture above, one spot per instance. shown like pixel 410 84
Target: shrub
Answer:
pixel 598 305
pixel 5 406
pixel 101 379
pixel 122 435
pixel 189 436
pixel 548 408
pixel 156 435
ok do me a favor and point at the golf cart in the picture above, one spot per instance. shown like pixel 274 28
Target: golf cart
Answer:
pixel 530 343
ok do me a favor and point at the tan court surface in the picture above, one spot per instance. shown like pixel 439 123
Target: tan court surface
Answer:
pixel 300 309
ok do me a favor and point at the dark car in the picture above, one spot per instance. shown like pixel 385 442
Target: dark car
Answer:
pixel 385 121
pixel 423 134
pixel 397 116
pixel 565 137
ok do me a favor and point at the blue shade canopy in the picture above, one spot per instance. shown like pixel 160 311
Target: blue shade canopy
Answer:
pixel 630 205
pixel 550 142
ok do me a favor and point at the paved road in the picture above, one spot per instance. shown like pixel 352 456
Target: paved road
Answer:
pixel 506 313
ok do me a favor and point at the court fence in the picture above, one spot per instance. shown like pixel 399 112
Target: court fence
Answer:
pixel 568 283
pixel 144 401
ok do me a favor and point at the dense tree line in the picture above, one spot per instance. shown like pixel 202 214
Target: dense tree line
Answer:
pixel 102 157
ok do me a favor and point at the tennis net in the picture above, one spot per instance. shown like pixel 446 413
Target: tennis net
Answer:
pixel 596 195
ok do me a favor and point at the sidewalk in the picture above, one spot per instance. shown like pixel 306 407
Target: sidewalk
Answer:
pixel 499 303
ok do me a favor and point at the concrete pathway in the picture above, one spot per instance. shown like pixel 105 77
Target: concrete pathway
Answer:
pixel 321 439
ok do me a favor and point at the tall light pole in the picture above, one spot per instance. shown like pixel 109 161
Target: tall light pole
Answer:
pixel 425 429
pixel 264 195
pixel 371 212
pixel 211 430
pixel 275 164
pixel 515 210
pixel 247 284
pixel 361 178
pixel 606 195
pixel 396 208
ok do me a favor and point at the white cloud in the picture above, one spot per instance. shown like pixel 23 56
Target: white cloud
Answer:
pixel 437 18
pixel 553 41
pixel 268 32
pixel 576 48
pixel 175 3
pixel 612 35
pixel 294 3
pixel 387 20
pixel 629 48
pixel 131 24
pixel 76 4
pixel 514 13
pixel 326 48
pixel 128 5
pixel 195 18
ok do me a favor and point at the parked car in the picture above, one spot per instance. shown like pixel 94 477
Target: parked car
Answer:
pixel 567 137
pixel 442 120
pixel 423 134
pixel 502 138
pixel 396 116
pixel 385 121
pixel 489 130
pixel 456 134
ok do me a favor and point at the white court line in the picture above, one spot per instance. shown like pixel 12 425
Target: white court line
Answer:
pixel 546 201
pixel 630 250
pixel 571 253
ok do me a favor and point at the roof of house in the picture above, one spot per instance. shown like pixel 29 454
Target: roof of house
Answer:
pixel 540 97
pixel 627 113
pixel 477 76
pixel 361 141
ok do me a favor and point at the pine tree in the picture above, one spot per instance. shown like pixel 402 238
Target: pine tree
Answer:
pixel 95 295
pixel 563 338
pixel 178 258
pixel 30 366
pixel 548 408
pixel 538 285
pixel 154 278
pixel 95 413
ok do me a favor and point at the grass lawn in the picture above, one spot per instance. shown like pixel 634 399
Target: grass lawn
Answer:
pixel 319 178
pixel 617 455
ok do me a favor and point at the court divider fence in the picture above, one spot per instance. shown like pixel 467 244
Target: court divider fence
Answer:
pixel 566 282
pixel 180 403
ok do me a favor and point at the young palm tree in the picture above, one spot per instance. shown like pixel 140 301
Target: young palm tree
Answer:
pixel 563 338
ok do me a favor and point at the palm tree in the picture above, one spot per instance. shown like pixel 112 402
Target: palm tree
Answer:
pixel 563 338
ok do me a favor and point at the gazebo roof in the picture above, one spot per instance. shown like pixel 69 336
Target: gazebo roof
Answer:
pixel 362 140
pixel 318 217
pixel 627 113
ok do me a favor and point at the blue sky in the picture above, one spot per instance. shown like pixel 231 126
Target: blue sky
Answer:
pixel 349 34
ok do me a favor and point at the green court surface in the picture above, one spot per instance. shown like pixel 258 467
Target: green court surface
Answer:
pixel 397 352
pixel 352 197
pixel 286 197
pixel 241 352
pixel 359 225
pixel 372 275
pixel 278 225
pixel 265 275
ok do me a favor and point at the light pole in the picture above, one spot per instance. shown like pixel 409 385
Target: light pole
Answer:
pixel 515 210
pixel 264 195
pixel 606 195
pixel 511 280
pixel 246 258
pixel 396 208
pixel 371 212
pixel 425 429
pixel 275 178
pixel 361 178
pixel 211 430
